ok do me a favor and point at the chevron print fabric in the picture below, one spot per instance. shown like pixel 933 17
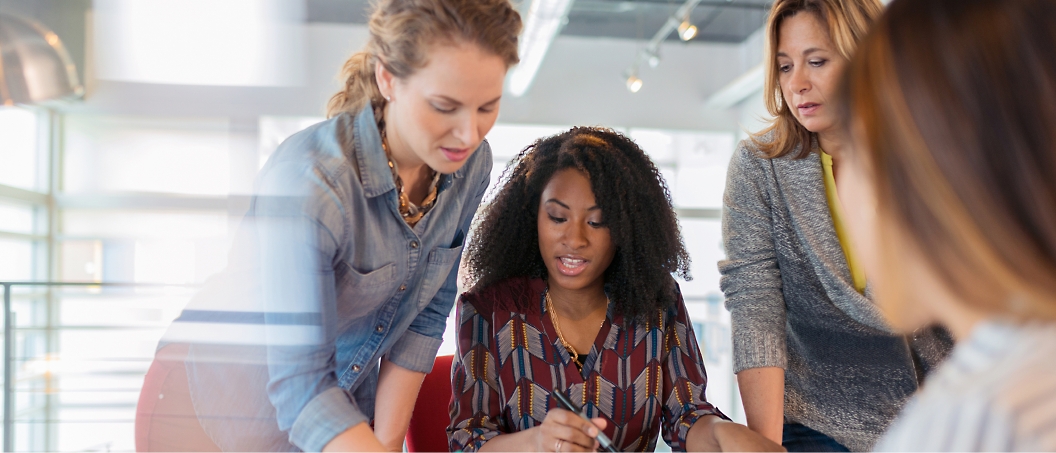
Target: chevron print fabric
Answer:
pixel 644 379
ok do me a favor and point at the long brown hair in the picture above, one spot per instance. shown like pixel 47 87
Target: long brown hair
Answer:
pixel 847 22
pixel 401 32
pixel 954 105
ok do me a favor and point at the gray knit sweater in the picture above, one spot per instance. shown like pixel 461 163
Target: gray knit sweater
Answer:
pixel 794 306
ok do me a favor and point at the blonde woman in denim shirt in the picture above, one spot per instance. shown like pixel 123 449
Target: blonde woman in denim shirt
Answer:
pixel 356 232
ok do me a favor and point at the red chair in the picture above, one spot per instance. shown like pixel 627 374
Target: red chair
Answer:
pixel 428 429
pixel 165 417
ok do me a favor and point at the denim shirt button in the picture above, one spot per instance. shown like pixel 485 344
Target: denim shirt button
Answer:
pixel 355 368
pixel 414 244
pixel 380 328
pixel 403 287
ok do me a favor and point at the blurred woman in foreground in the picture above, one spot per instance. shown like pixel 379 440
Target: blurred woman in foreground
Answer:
pixel 953 206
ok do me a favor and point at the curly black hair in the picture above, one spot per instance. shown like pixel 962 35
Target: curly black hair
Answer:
pixel 635 204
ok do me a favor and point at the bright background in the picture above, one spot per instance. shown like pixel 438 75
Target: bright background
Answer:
pixel 145 179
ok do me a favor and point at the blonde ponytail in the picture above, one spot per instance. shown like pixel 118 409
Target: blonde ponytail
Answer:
pixel 360 86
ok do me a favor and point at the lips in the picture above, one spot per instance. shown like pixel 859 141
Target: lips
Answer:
pixel 807 108
pixel 456 154
pixel 571 266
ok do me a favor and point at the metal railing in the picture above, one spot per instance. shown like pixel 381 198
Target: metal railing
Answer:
pixel 10 327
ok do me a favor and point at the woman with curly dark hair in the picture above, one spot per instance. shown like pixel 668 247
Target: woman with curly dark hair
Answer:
pixel 571 292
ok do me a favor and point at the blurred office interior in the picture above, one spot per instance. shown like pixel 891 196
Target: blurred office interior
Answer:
pixel 144 178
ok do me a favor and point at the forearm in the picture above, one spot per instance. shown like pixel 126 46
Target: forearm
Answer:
pixel 518 441
pixel 763 395
pixel 356 438
pixel 397 391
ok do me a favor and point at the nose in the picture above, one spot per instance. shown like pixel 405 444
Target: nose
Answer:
pixel 467 131
pixel 798 81
pixel 575 235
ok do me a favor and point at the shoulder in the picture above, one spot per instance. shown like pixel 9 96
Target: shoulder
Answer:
pixel 321 144
pixel 1002 391
pixel 505 296
pixel 318 150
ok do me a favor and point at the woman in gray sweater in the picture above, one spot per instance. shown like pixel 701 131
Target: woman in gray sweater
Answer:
pixel 819 369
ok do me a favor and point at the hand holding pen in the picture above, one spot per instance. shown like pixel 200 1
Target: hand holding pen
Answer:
pixel 568 429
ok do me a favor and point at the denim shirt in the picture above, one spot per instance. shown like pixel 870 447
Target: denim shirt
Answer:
pixel 344 281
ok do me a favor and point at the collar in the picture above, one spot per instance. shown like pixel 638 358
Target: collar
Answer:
pixel 374 164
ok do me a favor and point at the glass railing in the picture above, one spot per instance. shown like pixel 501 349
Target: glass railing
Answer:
pixel 75 355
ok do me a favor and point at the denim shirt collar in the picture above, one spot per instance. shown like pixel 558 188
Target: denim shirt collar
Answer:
pixel 373 165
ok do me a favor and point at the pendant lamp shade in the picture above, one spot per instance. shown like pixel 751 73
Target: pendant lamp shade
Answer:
pixel 34 66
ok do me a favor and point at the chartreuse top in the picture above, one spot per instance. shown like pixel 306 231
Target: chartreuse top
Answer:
pixel 857 273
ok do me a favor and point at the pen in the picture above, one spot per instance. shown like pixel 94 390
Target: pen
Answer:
pixel 567 404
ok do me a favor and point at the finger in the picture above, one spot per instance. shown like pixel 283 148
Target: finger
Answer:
pixel 574 420
pixel 601 423
pixel 573 436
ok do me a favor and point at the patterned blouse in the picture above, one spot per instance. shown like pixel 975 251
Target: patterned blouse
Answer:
pixel 641 380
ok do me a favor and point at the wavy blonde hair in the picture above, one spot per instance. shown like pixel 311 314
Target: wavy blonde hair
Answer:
pixel 848 22
pixel 401 32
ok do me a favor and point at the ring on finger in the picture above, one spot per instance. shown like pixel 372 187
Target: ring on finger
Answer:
pixel 557 446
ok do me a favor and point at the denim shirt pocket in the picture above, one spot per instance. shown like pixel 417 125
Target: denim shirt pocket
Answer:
pixel 368 289
pixel 437 268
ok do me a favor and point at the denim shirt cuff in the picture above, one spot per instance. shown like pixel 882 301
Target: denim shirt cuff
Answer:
pixel 415 352
pixel 330 413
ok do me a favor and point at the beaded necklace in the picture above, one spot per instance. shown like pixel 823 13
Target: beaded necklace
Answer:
pixel 410 212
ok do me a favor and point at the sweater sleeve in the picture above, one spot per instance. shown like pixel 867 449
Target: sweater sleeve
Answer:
pixel 751 278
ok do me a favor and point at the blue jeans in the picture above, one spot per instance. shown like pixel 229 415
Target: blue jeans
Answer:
pixel 797 437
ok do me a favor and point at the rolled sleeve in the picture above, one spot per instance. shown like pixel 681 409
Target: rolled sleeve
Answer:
pixel 750 278
pixel 414 351
pixel 329 414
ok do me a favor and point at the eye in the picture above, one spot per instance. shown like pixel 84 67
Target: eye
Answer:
pixel 487 109
pixel 556 219
pixel 818 63
pixel 443 110
pixel 594 224
pixel 784 68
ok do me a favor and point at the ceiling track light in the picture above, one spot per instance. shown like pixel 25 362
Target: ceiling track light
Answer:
pixel 686 29
pixel 634 83
pixel 650 54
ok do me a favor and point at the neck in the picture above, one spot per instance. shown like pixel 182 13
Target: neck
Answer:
pixel 577 304
pixel 833 143
pixel 414 173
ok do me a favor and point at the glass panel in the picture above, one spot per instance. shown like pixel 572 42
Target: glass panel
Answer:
pixel 21 218
pixel 19 152
pixel 175 247
pixel 168 155
pixel 16 260
pixel 118 223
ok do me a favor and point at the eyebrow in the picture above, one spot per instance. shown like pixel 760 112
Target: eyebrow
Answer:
pixel 555 200
pixel 457 103
pixel 805 52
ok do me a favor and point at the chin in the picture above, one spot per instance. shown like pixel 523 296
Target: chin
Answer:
pixel 904 315
pixel 442 165
pixel 572 283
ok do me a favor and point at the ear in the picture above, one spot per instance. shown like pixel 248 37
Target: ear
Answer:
pixel 386 80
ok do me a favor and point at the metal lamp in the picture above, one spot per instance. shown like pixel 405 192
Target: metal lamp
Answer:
pixel 34 66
